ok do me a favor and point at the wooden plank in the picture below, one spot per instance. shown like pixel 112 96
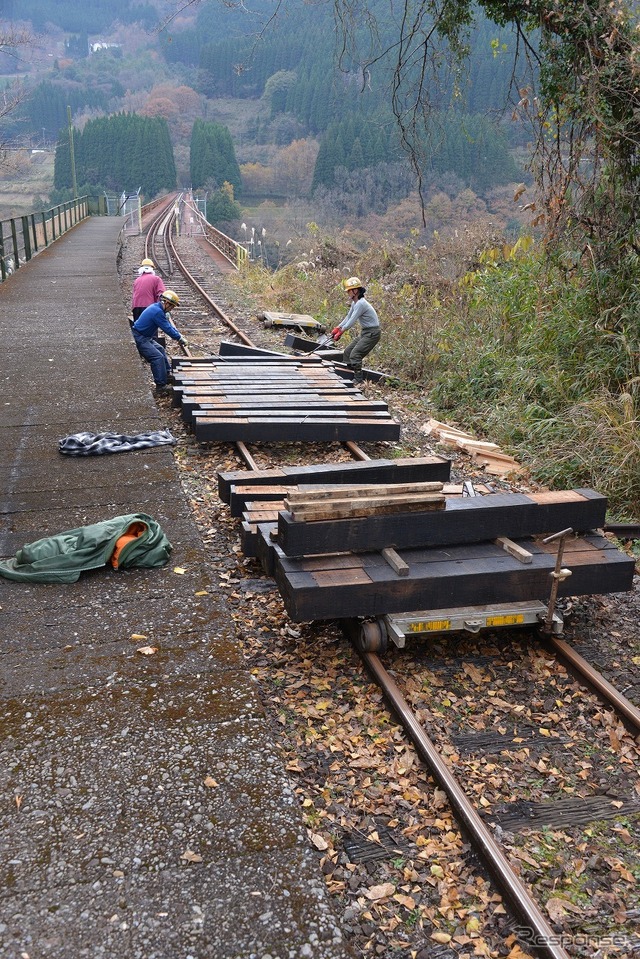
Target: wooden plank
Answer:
pixel 266 375
pixel 463 520
pixel 241 349
pixel 285 411
pixel 247 500
pixel 293 406
pixel 238 391
pixel 395 561
pixel 433 426
pixel 264 547
pixel 294 416
pixel 249 539
pixel 349 585
pixel 250 413
pixel 477 446
pixel 261 513
pixel 405 469
pixel 365 506
pixel 514 549
pixel 240 495
pixel 498 466
pixel 310 494
pixel 202 364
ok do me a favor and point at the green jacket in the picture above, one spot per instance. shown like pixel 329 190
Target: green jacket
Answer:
pixel 61 558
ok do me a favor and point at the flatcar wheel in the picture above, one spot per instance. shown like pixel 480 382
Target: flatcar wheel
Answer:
pixel 372 638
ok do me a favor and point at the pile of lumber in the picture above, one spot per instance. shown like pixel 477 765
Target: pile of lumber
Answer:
pixel 338 553
pixel 485 455
pixel 349 502
pixel 253 396
pixel 259 496
pixel 300 321
pixel 348 585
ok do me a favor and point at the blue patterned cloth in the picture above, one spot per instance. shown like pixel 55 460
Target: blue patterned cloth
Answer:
pixel 96 444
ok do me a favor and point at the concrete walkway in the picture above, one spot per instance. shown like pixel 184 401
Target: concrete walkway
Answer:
pixel 143 809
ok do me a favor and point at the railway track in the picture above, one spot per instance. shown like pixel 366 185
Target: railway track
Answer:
pixel 507 716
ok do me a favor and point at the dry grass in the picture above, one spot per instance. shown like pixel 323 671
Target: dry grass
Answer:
pixel 23 177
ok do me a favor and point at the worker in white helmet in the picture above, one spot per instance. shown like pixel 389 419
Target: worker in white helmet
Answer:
pixel 145 331
pixel 360 311
pixel 147 288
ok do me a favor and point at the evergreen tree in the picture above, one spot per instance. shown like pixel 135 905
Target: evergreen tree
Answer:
pixel 213 157
pixel 125 152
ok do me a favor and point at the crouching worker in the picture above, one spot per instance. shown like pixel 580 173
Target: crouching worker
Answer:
pixel 146 328
pixel 360 311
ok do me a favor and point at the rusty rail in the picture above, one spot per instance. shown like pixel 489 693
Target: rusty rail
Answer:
pixel 494 859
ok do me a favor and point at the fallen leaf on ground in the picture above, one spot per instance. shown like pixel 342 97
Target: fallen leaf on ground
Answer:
pixel 556 909
pixel 442 937
pixel 380 892
pixel 147 650
pixel 190 856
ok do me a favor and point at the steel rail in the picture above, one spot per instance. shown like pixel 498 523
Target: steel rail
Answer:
pixel 624 707
pixel 160 228
pixel 494 859
pixel 196 286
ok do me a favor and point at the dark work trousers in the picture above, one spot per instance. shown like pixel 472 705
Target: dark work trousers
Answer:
pixel 358 349
pixel 154 354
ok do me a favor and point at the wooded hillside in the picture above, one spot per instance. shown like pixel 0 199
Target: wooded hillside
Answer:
pixel 289 86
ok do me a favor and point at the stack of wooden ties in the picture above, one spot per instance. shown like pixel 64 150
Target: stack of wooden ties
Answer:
pixel 253 396
pixel 341 549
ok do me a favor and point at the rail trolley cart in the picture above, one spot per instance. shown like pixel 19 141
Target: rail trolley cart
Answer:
pixel 374 636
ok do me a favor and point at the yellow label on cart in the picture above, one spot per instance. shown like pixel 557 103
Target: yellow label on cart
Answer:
pixel 508 619
pixel 431 626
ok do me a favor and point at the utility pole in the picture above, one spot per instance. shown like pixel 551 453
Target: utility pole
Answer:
pixel 73 156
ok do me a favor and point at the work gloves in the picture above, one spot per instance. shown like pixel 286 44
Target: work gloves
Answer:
pixel 183 342
pixel 336 333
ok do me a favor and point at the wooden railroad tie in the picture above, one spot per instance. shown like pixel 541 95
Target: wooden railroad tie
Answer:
pixel 504 516
pixel 403 470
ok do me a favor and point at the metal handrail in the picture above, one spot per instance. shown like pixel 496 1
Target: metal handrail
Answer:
pixel 22 237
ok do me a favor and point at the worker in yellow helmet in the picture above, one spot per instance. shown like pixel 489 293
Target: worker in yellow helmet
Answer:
pixel 145 331
pixel 360 311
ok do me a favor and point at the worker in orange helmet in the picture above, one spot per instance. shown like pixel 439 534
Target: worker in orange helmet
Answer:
pixel 360 311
